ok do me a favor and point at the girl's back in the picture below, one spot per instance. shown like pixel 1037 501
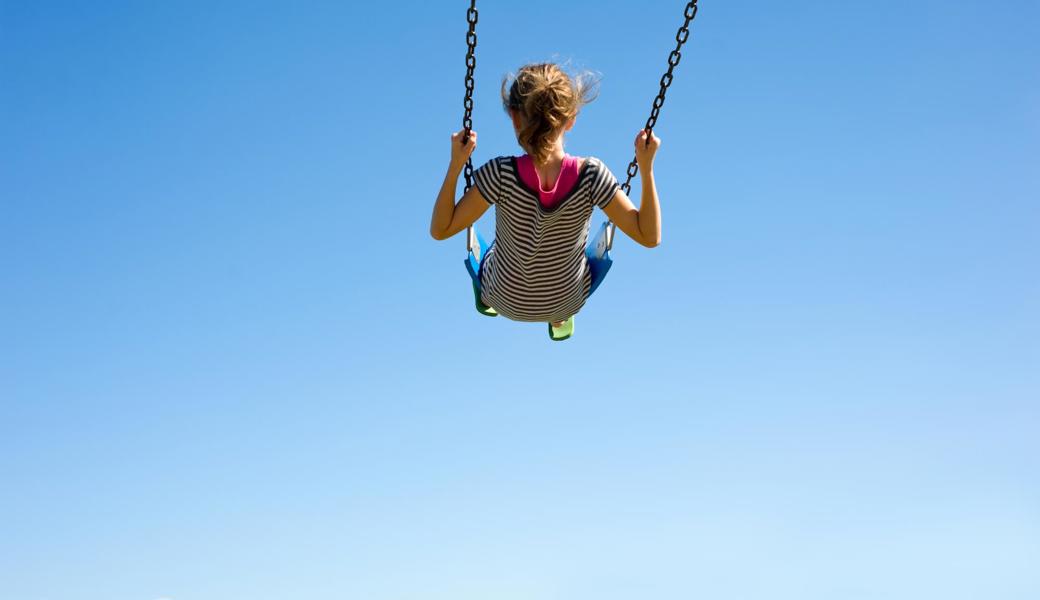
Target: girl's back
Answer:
pixel 536 270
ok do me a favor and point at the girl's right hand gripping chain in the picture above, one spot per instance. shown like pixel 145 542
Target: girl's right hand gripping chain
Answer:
pixel 645 153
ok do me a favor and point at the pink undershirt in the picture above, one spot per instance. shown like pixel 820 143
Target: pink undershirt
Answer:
pixel 564 183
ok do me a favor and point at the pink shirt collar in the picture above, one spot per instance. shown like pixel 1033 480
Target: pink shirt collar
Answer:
pixel 561 187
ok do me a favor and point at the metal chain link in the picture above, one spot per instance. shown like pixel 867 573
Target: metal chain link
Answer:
pixel 666 80
pixel 467 103
pixel 467 118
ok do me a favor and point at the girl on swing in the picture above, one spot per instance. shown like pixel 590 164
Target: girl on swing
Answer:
pixel 536 269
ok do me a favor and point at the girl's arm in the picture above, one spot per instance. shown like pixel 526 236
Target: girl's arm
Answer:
pixel 642 225
pixel 450 218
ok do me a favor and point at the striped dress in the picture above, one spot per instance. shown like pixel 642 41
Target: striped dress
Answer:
pixel 536 269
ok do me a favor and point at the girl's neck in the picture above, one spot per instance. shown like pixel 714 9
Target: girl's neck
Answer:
pixel 549 171
pixel 554 159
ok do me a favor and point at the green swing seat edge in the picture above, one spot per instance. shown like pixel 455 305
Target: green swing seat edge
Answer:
pixel 565 332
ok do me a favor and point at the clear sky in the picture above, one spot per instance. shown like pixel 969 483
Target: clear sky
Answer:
pixel 235 364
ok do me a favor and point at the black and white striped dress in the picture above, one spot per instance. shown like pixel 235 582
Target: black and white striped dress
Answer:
pixel 536 269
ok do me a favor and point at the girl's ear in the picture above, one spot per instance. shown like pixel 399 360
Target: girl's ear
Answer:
pixel 570 123
pixel 514 115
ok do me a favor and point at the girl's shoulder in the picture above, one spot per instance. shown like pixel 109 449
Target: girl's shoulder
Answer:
pixel 494 167
pixel 594 165
pixel 592 161
pixel 499 164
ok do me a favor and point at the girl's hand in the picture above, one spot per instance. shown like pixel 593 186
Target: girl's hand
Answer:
pixel 460 152
pixel 644 153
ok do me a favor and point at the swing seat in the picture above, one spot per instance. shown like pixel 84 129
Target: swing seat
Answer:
pixel 598 255
pixel 477 248
pixel 564 332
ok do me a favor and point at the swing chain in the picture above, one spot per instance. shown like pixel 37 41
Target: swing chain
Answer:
pixel 467 103
pixel 666 80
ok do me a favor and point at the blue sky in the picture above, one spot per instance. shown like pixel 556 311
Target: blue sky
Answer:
pixel 235 365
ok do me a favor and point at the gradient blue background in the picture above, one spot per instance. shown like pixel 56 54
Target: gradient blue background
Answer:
pixel 235 365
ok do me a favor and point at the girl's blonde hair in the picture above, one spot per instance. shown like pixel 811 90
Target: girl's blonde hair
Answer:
pixel 546 99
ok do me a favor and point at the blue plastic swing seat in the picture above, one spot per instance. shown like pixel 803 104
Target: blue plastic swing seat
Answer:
pixel 597 253
pixel 477 250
